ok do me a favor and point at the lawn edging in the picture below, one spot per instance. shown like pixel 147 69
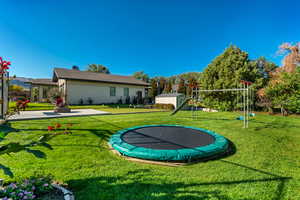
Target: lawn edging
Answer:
pixel 68 195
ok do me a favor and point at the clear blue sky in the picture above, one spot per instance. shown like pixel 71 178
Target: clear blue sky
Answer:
pixel 160 37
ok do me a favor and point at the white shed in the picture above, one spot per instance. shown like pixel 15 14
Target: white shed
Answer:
pixel 173 98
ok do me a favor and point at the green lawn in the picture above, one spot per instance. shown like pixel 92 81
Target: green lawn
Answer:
pixel 107 108
pixel 265 166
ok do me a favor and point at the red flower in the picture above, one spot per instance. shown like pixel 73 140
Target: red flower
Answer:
pixel 58 125
pixel 27 101
pixel 50 128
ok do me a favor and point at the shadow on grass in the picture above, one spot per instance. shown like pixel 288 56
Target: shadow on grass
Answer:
pixel 273 125
pixel 7 171
pixel 146 184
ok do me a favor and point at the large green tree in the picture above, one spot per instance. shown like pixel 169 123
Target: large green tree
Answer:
pixel 98 68
pixel 141 76
pixel 284 92
pixel 225 72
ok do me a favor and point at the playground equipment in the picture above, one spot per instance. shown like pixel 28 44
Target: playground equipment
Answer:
pixel 168 143
pixel 246 100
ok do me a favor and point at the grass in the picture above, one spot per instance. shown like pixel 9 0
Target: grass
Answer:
pixel 108 108
pixel 265 165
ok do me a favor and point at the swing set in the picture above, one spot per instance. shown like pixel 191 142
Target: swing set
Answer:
pixel 244 95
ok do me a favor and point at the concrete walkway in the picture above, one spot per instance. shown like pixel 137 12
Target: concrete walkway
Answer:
pixel 45 114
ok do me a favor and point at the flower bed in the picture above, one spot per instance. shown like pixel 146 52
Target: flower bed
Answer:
pixel 34 188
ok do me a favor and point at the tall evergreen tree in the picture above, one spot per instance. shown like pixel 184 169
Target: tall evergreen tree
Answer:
pixel 225 72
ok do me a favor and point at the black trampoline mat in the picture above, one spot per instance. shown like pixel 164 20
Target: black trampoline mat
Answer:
pixel 167 137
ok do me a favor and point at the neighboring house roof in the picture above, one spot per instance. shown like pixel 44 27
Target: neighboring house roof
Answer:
pixel 42 81
pixel 170 95
pixel 20 81
pixel 60 73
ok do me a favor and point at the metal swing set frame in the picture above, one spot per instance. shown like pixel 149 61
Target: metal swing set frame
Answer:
pixel 247 99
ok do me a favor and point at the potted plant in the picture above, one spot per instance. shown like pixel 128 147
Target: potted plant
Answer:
pixel 56 96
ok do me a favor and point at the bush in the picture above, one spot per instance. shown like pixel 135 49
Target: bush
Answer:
pixel 80 101
pixel 127 100
pixel 120 101
pixel 90 101
pixel 27 189
pixel 164 106
pixel 134 101
pixel 54 93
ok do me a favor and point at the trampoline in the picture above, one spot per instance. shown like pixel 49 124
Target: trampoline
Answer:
pixel 168 143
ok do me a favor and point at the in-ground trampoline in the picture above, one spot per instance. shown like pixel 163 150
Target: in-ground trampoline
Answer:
pixel 168 143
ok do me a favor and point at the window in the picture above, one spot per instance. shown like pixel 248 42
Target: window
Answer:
pixel 126 92
pixel 112 91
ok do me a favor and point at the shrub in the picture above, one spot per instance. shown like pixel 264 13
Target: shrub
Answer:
pixel 90 101
pixel 54 93
pixel 134 101
pixel 27 189
pixel 164 106
pixel 120 101
pixel 127 100
pixel 80 101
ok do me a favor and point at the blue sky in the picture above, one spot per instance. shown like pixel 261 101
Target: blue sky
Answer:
pixel 160 37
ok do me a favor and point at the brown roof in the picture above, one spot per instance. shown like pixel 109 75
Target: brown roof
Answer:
pixel 41 81
pixel 60 73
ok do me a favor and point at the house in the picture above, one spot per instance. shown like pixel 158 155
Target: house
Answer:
pixel 84 87
pixel 173 98
pixel 39 89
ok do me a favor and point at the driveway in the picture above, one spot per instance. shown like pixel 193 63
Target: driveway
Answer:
pixel 45 114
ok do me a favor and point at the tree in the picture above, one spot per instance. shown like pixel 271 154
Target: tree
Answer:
pixel 168 88
pixel 141 76
pixel 74 67
pixel 153 91
pixel 225 72
pixel 16 88
pixel 284 92
pixel 182 87
pixel 98 68
pixel 161 85
pixel 192 84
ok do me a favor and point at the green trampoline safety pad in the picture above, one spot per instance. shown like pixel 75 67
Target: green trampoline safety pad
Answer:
pixel 168 142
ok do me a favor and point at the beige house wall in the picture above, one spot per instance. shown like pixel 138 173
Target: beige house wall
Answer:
pixel 97 91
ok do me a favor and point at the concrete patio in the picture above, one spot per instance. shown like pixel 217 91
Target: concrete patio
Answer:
pixel 45 114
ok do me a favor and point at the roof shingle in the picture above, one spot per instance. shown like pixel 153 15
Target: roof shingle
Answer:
pixel 61 73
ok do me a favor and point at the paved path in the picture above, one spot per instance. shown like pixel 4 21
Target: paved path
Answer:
pixel 45 114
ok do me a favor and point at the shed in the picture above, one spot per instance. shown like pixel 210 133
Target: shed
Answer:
pixel 173 98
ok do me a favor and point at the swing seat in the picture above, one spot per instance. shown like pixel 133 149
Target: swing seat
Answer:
pixel 252 114
pixel 240 118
